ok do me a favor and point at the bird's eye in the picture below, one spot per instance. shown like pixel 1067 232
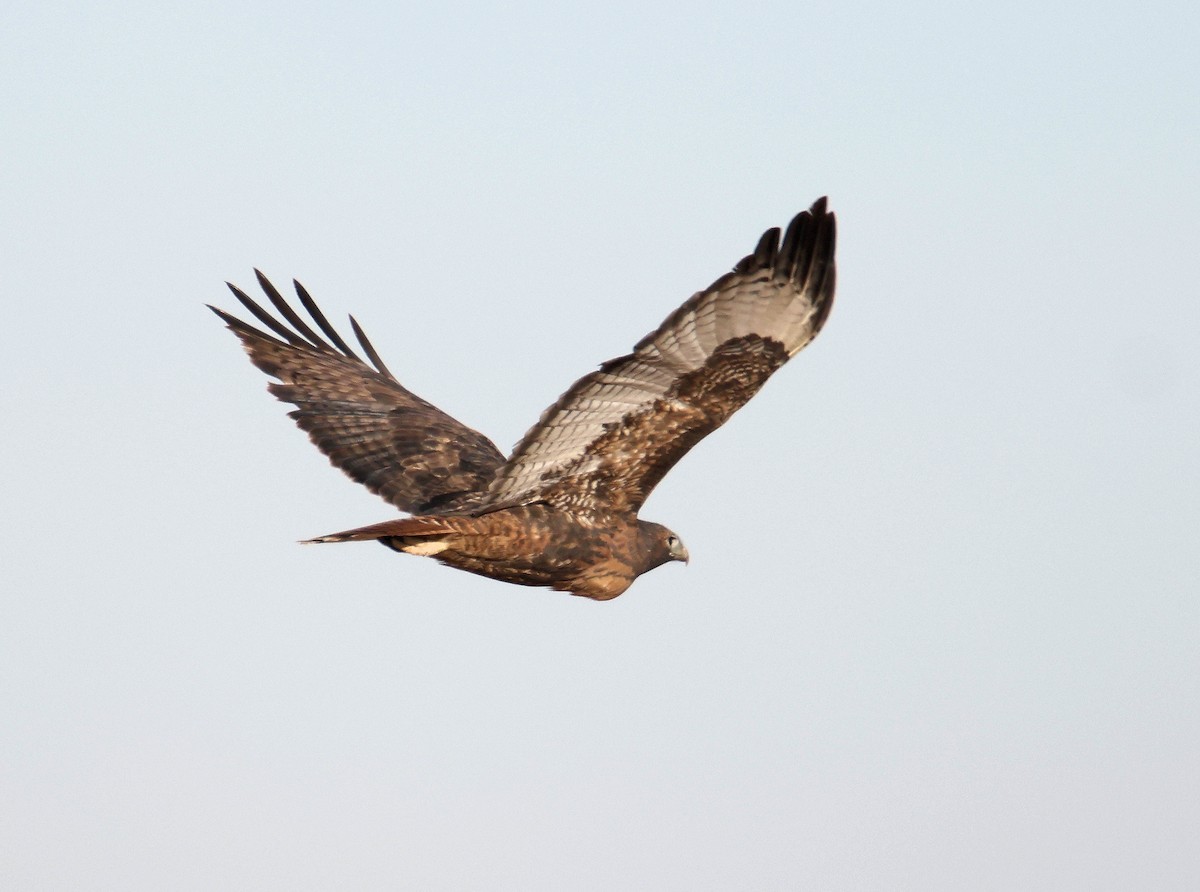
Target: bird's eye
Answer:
pixel 672 541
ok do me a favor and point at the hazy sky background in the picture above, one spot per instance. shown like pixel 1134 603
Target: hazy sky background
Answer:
pixel 941 625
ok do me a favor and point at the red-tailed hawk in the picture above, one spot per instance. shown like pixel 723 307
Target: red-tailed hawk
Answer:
pixel 561 511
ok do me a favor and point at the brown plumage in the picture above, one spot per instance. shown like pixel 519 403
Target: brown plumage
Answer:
pixel 561 511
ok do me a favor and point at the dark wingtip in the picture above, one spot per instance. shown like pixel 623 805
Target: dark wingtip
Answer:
pixel 315 312
pixel 770 252
pixel 823 270
pixel 767 247
pixel 808 242
pixel 228 318
pixel 764 254
pixel 369 349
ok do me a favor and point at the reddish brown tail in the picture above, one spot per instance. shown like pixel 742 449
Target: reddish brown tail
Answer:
pixel 404 526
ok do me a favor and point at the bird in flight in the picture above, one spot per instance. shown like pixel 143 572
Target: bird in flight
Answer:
pixel 562 510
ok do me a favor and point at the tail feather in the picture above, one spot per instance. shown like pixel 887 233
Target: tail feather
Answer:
pixel 420 527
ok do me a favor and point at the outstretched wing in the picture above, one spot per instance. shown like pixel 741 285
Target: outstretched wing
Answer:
pixel 609 440
pixel 386 438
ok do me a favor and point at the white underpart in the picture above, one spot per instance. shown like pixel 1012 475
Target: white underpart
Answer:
pixel 427 548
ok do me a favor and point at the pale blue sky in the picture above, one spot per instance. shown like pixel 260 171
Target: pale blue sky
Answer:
pixel 941 625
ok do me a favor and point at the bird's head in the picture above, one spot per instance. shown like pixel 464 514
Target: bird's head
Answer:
pixel 659 545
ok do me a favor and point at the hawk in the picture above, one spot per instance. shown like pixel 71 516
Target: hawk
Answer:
pixel 562 510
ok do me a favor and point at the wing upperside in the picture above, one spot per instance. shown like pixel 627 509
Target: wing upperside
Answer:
pixel 380 434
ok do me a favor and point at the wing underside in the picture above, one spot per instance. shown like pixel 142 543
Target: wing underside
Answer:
pixel 613 435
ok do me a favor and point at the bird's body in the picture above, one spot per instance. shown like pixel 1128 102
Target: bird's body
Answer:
pixel 532 545
pixel 561 511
